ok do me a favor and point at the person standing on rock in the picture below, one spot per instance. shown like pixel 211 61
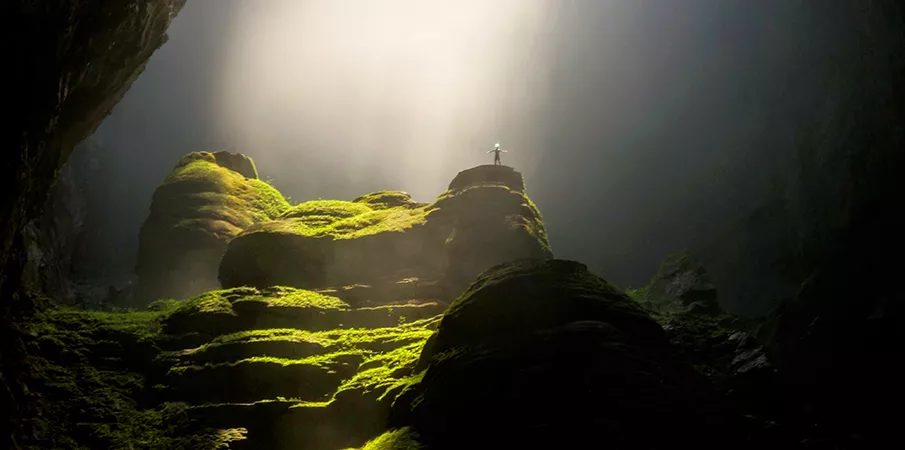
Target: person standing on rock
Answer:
pixel 496 155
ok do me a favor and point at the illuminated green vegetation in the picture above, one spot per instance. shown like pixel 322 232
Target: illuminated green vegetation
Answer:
pixel 225 300
pixel 344 220
pixel 94 371
pixel 387 199
pixel 209 193
pixel 401 439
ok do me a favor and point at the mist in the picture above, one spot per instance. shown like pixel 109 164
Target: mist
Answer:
pixel 642 127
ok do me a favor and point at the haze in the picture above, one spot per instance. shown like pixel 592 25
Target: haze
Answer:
pixel 642 127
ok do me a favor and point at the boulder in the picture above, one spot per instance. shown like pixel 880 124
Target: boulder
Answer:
pixel 200 206
pixel 681 284
pixel 543 354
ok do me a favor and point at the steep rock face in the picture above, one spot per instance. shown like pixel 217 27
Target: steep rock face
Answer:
pixel 201 205
pixel 72 62
pixel 543 354
pixel 840 337
pixel 53 239
pixel 387 235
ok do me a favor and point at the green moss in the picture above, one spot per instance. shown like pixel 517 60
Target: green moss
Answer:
pixel 366 342
pixel 638 294
pixel 335 209
pixel 207 191
pixel 92 370
pixel 314 360
pixel 344 220
pixel 223 300
pixel 535 223
pixel 381 372
pixel 400 439
pixel 387 199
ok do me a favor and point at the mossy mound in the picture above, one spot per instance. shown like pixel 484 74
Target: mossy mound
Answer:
pixel 385 234
pixel 331 242
pixel 513 300
pixel 543 354
pixel 200 206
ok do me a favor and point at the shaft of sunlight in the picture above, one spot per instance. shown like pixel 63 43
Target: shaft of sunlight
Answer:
pixel 414 88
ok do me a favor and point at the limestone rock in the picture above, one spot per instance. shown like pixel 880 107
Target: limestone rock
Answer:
pixel 681 284
pixel 237 162
pixel 543 354
pixel 72 62
pixel 488 175
pixel 324 243
pixel 196 211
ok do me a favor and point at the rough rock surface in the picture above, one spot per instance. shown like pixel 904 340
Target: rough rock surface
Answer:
pixel 207 200
pixel 680 284
pixel 543 354
pixel 385 234
pixel 53 239
pixel 72 61
pixel 488 175
pixel 276 368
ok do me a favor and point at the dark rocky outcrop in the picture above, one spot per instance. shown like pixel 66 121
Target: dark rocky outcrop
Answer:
pixel 53 240
pixel 207 200
pixel 680 284
pixel 70 62
pixel 543 354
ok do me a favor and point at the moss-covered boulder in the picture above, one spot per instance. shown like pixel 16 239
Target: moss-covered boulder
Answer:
pixel 388 236
pixel 543 354
pixel 323 243
pixel 207 200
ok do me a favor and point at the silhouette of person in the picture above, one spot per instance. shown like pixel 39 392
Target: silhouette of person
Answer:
pixel 496 154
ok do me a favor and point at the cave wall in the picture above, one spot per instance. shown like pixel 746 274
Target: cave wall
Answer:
pixel 72 62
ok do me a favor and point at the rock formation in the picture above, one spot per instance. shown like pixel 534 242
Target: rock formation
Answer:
pixel 83 379
pixel 207 200
pixel 72 62
pixel 476 224
pixel 543 354
pixel 680 284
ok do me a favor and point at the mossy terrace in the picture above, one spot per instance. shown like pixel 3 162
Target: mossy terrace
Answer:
pixel 245 365
pixel 327 307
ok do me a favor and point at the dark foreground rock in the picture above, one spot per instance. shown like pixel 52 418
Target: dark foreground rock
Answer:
pixel 543 354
